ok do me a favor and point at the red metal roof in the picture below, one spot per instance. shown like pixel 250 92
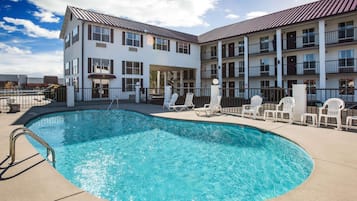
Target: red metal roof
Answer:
pixel 91 16
pixel 304 13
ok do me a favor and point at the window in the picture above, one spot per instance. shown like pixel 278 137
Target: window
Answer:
pixel 264 44
pixel 213 70
pixel 347 87
pixel 241 86
pixel 183 47
pixel 308 37
pixel 213 52
pixel 103 66
pixel 264 84
pixel 161 44
pixel 310 86
pixel 241 48
pixel 75 35
pixel 346 58
pixel 309 62
pixel 264 66
pixel 75 66
pixel 188 75
pixel 345 31
pixel 67 70
pixel 67 41
pixel 133 39
pixel 133 68
pixel 241 67
pixel 129 83
pixel 101 33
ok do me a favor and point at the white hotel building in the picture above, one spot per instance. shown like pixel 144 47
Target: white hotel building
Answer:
pixel 313 44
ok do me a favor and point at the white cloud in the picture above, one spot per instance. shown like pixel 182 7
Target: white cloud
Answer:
pixel 8 28
pixel 14 60
pixel 227 10
pixel 232 16
pixel 178 13
pixel 28 27
pixel 46 16
pixel 255 14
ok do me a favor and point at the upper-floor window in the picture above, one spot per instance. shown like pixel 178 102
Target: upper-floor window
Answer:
pixel 308 37
pixel 213 70
pixel 264 65
pixel 67 70
pixel 310 86
pixel 346 58
pixel 75 66
pixel 183 47
pixel 133 39
pixel 241 67
pixel 67 41
pixel 102 66
pixel 132 68
pixel 241 48
pixel 309 61
pixel 346 87
pixel 213 51
pixel 264 44
pixel 101 33
pixel 345 30
pixel 161 44
pixel 75 35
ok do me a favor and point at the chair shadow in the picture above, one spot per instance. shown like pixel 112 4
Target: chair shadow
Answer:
pixel 3 170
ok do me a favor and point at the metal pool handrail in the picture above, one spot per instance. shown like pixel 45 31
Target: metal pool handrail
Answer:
pixel 25 131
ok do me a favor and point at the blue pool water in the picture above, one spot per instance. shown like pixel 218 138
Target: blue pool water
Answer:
pixel 123 155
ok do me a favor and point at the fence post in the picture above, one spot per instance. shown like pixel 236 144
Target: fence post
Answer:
pixel 137 92
pixel 70 96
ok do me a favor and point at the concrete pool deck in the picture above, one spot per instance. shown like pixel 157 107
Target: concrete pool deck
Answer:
pixel 334 153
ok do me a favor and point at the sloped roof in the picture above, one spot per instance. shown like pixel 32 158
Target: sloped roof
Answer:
pixel 91 16
pixel 304 13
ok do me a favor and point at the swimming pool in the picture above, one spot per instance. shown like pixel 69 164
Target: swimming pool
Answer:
pixel 124 155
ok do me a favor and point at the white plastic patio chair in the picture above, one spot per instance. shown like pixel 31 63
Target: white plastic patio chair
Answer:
pixel 212 108
pixel 187 105
pixel 254 106
pixel 171 103
pixel 333 107
pixel 286 106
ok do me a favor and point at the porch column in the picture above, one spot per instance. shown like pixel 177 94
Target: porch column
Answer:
pixel 246 68
pixel 322 58
pixel 158 82
pixel 165 78
pixel 279 56
pixel 219 66
pixel 198 82
pixel 181 83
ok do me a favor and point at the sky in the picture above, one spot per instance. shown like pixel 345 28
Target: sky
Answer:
pixel 29 29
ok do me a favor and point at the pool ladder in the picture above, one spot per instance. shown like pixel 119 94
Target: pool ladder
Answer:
pixel 50 156
pixel 111 103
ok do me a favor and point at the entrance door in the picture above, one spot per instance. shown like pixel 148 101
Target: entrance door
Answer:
pixel 291 40
pixel 224 51
pixel 231 89
pixel 231 50
pixel 291 67
pixel 100 88
pixel 224 90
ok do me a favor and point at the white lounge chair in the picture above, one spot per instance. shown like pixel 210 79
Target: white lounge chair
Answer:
pixel 254 106
pixel 212 108
pixel 333 107
pixel 171 103
pixel 187 105
pixel 286 106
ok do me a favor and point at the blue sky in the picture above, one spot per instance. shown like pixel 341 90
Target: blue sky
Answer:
pixel 29 29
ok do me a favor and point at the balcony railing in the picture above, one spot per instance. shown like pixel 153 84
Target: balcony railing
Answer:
pixel 207 55
pixel 311 40
pixel 257 48
pixel 258 71
pixel 305 68
pixel 341 66
pixel 341 36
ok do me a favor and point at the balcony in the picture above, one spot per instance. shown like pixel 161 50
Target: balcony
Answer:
pixel 262 71
pixel 341 66
pixel 208 74
pixel 341 36
pixel 262 48
pixel 310 40
pixel 208 55
pixel 305 68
